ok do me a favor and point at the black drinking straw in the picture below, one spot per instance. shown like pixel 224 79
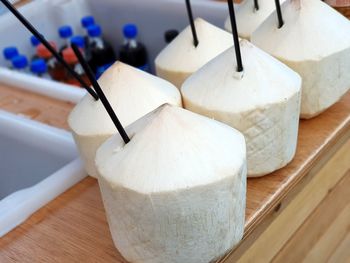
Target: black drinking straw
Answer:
pixel 101 94
pixel 31 28
pixel 235 36
pixel 193 28
pixel 279 13
pixel 256 5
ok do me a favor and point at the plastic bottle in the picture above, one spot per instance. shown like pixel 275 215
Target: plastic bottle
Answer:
pixel 9 53
pixel 87 21
pixel 133 52
pixel 39 68
pixel 65 32
pixel 35 42
pixel 20 63
pixel 102 53
pixel 55 69
pixel 72 60
pixel 80 42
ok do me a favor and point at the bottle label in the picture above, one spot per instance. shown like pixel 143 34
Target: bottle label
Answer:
pixel 338 3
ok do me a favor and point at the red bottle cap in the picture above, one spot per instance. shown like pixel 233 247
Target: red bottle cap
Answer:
pixel 69 56
pixel 43 52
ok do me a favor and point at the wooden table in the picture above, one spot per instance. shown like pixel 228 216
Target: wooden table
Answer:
pixel 301 211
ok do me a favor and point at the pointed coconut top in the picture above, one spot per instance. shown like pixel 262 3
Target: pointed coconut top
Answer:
pixel 248 19
pixel 217 86
pixel 172 149
pixel 131 92
pixel 312 30
pixel 181 55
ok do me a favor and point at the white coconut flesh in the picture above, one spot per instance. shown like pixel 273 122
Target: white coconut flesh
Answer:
pixel 248 18
pixel 131 92
pixel 315 42
pixel 263 104
pixel 178 60
pixel 176 192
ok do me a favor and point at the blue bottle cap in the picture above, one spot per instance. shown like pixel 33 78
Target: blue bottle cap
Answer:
pixel 10 52
pixel 87 21
pixel 78 40
pixel 130 30
pixel 38 66
pixel 94 31
pixel 65 31
pixel 19 62
pixel 34 41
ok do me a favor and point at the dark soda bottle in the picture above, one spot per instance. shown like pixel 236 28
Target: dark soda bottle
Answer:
pixel 35 42
pixel 9 53
pixel 133 52
pixel 102 53
pixel 87 21
pixel 80 42
pixel 65 32
pixel 55 69
pixel 72 60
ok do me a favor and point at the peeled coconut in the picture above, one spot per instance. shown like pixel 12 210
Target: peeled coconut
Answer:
pixel 178 60
pixel 263 103
pixel 315 42
pixel 131 92
pixel 176 192
pixel 248 18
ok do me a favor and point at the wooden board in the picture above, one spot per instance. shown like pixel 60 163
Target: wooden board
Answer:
pixel 325 228
pixel 73 227
pixel 37 107
pixel 342 254
pixel 280 225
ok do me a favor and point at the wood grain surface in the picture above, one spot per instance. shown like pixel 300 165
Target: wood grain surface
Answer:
pixel 73 227
pixel 34 106
pixel 325 231
pixel 281 224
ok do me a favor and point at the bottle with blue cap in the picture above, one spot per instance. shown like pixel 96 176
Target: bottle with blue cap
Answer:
pixel 65 32
pixel 20 63
pixel 79 41
pixel 132 51
pixel 35 42
pixel 39 68
pixel 72 60
pixel 87 21
pixel 102 53
pixel 9 53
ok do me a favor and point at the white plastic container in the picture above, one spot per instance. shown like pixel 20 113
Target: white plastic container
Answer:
pixel 153 18
pixel 25 184
pixel 37 163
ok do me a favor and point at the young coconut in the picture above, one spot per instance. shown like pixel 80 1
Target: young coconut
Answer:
pixel 263 102
pixel 180 59
pixel 131 92
pixel 314 41
pixel 249 18
pixel 176 192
